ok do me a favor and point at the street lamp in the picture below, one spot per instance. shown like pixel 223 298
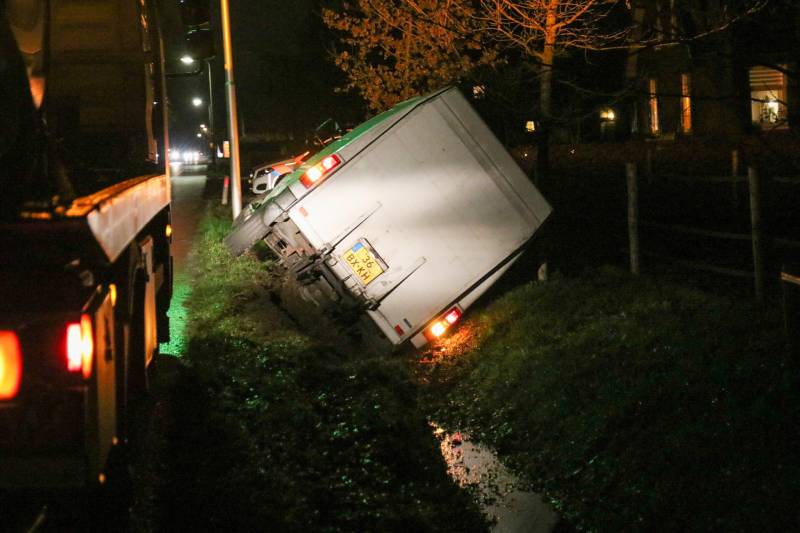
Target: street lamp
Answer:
pixel 197 102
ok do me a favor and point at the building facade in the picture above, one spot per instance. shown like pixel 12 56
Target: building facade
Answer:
pixel 711 71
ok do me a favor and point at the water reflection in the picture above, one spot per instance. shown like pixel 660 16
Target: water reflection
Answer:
pixel 497 489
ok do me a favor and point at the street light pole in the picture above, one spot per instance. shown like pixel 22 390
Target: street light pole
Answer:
pixel 211 117
pixel 233 123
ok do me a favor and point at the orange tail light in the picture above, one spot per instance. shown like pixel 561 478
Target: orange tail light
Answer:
pixel 438 328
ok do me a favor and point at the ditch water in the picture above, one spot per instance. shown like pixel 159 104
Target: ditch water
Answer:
pixel 498 491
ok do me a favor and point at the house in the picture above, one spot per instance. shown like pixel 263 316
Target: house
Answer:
pixel 712 71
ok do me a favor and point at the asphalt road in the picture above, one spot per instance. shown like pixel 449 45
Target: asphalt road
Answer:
pixel 187 210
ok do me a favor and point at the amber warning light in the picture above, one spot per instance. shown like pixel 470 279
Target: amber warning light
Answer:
pixel 320 170
pixel 10 365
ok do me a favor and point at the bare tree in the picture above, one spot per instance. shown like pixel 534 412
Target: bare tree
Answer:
pixel 396 49
pixel 544 29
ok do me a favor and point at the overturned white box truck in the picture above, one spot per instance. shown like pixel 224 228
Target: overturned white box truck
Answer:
pixel 410 217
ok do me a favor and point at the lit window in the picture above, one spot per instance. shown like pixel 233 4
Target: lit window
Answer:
pixel 768 96
pixel 608 114
pixel 653 98
pixel 686 103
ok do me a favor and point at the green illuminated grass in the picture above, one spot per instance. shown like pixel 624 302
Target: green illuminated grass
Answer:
pixel 276 431
pixel 634 404
pixel 177 318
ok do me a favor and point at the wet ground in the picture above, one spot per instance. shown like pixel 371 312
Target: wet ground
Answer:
pixel 500 494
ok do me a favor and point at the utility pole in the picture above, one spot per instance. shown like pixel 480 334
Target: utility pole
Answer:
pixel 211 130
pixel 233 122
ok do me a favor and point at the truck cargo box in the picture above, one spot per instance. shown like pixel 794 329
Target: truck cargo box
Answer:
pixel 104 90
pixel 412 215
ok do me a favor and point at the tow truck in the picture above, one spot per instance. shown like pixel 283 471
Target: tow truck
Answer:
pixel 86 270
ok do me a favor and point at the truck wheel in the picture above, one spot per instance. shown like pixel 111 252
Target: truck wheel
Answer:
pixel 245 233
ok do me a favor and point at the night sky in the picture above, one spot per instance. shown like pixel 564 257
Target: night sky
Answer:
pixel 284 75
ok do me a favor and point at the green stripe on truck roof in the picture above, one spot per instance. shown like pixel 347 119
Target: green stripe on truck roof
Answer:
pixel 346 139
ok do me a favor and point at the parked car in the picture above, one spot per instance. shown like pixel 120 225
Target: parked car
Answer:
pixel 264 178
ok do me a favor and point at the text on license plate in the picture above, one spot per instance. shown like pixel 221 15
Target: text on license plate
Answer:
pixel 363 263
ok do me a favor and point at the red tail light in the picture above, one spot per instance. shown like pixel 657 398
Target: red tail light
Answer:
pixel 318 171
pixel 438 328
pixel 10 365
pixel 80 346
pixel 453 315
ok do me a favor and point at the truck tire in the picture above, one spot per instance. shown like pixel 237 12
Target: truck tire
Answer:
pixel 245 233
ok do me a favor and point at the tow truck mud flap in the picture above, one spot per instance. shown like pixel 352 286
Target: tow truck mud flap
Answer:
pixel 247 231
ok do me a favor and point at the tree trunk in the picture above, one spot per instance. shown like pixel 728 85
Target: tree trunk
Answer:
pixel 546 91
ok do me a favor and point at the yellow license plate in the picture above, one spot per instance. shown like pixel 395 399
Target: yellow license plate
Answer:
pixel 363 263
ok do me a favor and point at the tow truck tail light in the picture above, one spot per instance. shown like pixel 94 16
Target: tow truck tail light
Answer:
pixel 10 365
pixel 318 171
pixel 80 346
pixel 438 328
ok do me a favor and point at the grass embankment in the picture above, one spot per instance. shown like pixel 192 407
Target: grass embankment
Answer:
pixel 634 404
pixel 274 431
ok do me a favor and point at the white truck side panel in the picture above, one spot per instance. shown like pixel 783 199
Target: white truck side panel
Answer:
pixel 439 200
pixel 119 218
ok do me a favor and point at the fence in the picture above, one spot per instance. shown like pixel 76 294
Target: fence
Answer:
pixel 756 235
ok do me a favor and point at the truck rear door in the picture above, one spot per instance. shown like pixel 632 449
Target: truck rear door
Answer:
pixel 435 201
